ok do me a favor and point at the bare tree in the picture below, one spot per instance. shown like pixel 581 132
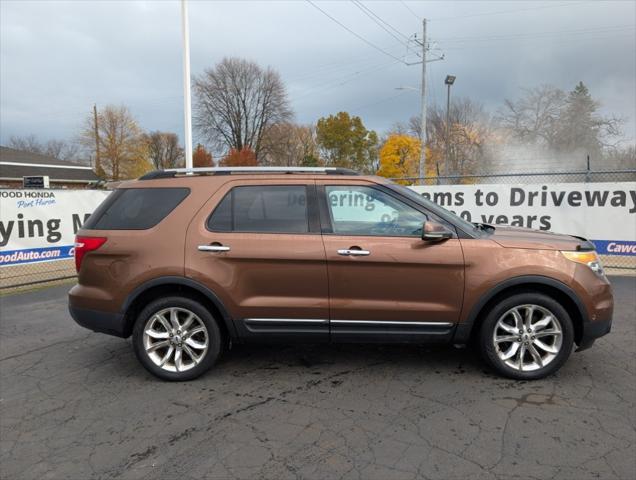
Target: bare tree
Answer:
pixel 164 150
pixel 60 149
pixel 621 158
pixel 534 118
pixel 29 143
pixel 566 124
pixel 288 144
pixel 412 128
pixel 456 147
pixel 461 140
pixel 123 148
pixel 236 102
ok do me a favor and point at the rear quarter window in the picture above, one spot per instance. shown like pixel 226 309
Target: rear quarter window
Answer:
pixel 135 208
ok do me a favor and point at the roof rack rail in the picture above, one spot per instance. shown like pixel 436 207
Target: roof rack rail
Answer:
pixel 173 172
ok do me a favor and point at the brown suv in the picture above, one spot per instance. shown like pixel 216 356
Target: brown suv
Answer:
pixel 188 262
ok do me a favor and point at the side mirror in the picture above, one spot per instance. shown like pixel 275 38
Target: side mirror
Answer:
pixel 435 232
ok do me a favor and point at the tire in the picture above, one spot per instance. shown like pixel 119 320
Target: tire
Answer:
pixel 156 341
pixel 543 347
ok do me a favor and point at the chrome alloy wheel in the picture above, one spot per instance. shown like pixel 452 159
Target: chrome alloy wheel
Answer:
pixel 527 337
pixel 175 339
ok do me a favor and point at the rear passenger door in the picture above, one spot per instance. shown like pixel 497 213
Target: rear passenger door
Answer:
pixel 257 245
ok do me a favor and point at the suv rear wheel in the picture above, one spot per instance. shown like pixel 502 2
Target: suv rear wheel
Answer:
pixel 526 336
pixel 176 338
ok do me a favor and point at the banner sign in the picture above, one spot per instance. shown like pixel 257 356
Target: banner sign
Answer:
pixel 602 212
pixel 40 225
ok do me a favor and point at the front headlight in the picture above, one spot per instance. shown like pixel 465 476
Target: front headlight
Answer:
pixel 589 258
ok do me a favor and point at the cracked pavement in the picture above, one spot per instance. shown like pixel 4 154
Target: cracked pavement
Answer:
pixel 78 405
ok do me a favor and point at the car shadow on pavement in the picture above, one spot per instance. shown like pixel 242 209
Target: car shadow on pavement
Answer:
pixel 316 359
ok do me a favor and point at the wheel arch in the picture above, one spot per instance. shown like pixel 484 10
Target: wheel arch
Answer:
pixel 162 286
pixel 535 283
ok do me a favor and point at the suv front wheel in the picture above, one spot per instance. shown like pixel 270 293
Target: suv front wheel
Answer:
pixel 176 338
pixel 526 336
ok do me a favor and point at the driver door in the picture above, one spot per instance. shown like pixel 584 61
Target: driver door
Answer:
pixel 385 283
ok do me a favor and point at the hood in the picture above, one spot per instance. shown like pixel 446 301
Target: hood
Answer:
pixel 517 237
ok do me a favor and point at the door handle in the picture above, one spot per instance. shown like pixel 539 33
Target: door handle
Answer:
pixel 213 248
pixel 354 252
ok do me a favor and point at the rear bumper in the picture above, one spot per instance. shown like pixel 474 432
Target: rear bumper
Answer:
pixel 102 322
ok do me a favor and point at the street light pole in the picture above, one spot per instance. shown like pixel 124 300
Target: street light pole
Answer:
pixel 187 101
pixel 422 169
pixel 450 79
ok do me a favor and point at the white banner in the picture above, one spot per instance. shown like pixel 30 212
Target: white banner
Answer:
pixel 40 225
pixel 602 212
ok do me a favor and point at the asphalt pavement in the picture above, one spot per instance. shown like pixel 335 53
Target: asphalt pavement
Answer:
pixel 77 405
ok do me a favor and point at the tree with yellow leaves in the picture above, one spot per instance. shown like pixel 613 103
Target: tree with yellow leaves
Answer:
pixel 123 147
pixel 400 157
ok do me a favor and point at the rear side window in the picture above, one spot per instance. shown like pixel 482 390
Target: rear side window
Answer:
pixel 262 209
pixel 135 208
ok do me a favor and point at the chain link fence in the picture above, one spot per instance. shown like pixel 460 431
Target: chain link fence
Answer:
pixel 33 274
pixel 620 262
pixel 582 176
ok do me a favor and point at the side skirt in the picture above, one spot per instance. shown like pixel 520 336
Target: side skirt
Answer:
pixel 296 330
pixel 375 331
pixel 284 330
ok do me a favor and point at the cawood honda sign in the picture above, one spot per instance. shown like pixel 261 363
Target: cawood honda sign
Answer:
pixel 40 225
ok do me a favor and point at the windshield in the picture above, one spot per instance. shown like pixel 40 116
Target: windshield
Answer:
pixel 433 207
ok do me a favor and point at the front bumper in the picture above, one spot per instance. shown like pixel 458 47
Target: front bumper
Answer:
pixel 98 321
pixel 598 301
pixel 592 331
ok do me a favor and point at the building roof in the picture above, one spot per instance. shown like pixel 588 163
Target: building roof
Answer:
pixel 15 164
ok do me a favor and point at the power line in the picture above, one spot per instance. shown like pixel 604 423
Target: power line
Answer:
pixel 361 7
pixel 343 80
pixel 354 33
pixel 411 10
pixel 380 22
pixel 330 67
pixel 342 65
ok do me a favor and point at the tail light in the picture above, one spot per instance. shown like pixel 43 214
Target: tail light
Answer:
pixel 83 245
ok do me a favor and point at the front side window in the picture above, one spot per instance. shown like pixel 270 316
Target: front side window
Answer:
pixel 359 210
pixel 262 209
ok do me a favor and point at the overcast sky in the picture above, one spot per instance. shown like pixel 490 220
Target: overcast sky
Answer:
pixel 58 58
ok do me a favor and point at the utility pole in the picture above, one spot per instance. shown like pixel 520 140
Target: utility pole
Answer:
pixel 98 165
pixel 423 134
pixel 450 79
pixel 187 107
pixel 447 128
pixel 422 169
